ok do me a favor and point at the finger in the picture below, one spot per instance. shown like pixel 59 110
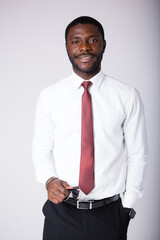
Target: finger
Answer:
pixel 69 187
pixel 59 188
pixel 63 188
pixel 57 193
pixel 65 184
pixel 56 198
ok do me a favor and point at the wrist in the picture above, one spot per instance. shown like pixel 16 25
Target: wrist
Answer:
pixel 48 181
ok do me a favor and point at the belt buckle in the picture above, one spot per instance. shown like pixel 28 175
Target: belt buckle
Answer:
pixel 79 202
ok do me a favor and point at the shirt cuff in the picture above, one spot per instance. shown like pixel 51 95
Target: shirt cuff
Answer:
pixel 129 200
pixel 44 179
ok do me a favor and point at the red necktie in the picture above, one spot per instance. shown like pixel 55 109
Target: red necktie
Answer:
pixel 86 177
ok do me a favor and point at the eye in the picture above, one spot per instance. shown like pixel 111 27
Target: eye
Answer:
pixel 75 42
pixel 93 40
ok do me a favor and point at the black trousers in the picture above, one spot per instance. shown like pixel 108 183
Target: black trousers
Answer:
pixel 64 221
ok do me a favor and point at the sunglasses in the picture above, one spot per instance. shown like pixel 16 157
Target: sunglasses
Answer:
pixel 74 191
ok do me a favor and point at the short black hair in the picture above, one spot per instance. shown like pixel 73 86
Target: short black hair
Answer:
pixel 84 20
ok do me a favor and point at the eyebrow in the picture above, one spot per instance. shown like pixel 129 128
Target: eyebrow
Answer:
pixel 79 37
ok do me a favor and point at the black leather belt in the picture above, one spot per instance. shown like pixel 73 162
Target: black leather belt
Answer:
pixel 92 203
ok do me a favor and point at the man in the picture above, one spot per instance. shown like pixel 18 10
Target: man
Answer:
pixel 89 134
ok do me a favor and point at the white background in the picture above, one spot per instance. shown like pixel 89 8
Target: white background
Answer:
pixel 32 56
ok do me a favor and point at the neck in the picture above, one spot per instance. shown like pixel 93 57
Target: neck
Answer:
pixel 86 75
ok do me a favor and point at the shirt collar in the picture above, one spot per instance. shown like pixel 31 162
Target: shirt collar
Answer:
pixel 96 80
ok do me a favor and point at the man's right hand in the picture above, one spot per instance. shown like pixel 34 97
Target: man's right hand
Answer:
pixel 58 190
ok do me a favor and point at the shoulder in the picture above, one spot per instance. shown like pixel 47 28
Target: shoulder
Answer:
pixel 117 87
pixel 53 94
pixel 55 89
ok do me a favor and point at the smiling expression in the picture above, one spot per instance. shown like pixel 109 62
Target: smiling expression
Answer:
pixel 85 47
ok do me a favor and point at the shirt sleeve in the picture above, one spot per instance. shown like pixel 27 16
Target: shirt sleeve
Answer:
pixel 43 142
pixel 136 149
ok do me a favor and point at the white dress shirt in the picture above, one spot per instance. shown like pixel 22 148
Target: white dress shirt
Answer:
pixel 119 136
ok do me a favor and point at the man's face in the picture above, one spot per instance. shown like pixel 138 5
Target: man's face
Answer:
pixel 85 47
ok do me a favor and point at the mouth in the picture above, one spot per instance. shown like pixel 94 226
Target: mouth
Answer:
pixel 85 57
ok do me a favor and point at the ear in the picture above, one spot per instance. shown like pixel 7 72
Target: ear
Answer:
pixel 66 47
pixel 104 45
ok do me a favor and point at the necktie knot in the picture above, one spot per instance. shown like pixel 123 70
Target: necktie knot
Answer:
pixel 86 84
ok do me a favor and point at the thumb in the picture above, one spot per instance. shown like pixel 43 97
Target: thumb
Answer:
pixel 66 185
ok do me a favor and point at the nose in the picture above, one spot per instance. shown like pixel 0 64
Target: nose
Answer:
pixel 84 47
